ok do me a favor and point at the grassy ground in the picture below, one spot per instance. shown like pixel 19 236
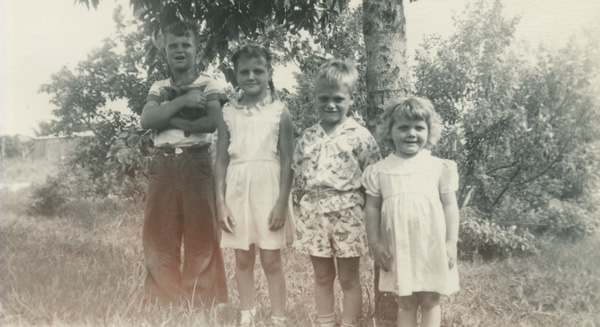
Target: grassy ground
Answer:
pixel 85 268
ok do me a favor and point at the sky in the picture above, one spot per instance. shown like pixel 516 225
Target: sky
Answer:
pixel 39 37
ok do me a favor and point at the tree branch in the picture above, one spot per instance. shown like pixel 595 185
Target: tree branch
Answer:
pixel 501 167
pixel 553 162
pixel 508 186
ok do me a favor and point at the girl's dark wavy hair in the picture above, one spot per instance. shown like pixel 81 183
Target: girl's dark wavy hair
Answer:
pixel 413 108
pixel 252 50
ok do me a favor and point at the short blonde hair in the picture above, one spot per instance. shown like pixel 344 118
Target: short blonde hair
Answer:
pixel 335 73
pixel 413 108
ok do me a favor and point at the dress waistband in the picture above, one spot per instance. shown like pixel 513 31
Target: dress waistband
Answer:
pixel 235 161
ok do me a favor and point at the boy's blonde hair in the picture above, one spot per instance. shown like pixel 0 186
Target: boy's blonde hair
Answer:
pixel 412 108
pixel 335 73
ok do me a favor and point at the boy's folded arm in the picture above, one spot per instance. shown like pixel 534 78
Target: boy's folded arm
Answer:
pixel 155 116
pixel 204 124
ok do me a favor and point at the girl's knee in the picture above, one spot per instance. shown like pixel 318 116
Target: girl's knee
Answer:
pixel 428 300
pixel 244 260
pixel 271 262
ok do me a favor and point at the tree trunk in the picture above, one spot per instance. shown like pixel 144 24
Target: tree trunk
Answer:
pixel 384 29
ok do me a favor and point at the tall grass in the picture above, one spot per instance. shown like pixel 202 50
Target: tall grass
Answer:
pixel 85 268
pixel 558 287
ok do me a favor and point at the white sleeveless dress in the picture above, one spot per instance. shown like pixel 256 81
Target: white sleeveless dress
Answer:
pixel 252 182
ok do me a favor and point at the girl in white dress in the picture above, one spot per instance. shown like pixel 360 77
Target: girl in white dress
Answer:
pixel 253 181
pixel 412 213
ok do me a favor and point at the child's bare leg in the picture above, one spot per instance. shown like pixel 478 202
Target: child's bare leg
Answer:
pixel 273 268
pixel 244 275
pixel 324 271
pixel 407 310
pixel 431 311
pixel 349 276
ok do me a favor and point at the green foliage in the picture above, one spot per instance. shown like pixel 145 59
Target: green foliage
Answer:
pixel 128 159
pixel 92 152
pixel 521 124
pixel 571 220
pixel 50 198
pixel 482 236
pixel 113 71
pixel 54 196
pixel 62 192
pixel 112 163
pixel 225 22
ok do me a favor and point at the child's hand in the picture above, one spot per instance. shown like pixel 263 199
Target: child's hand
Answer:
pixel 381 256
pixel 225 218
pixel 277 216
pixel 451 253
pixel 194 99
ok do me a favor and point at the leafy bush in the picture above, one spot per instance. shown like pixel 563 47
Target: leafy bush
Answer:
pixel 113 162
pixel 571 220
pixel 128 159
pixel 482 236
pixel 59 194
pixel 50 198
pixel 53 196
pixel 521 128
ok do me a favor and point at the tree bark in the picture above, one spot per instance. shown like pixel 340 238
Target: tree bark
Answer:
pixel 384 30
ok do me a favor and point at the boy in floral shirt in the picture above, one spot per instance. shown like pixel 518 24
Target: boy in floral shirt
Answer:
pixel 330 158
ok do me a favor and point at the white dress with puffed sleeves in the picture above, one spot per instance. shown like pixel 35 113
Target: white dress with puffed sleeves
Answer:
pixel 413 225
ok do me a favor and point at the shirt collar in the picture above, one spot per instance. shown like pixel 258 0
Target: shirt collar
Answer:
pixel 349 124
pixel 423 154
pixel 252 110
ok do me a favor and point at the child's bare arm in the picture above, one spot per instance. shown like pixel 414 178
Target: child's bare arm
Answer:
pixel 380 251
pixel 286 149
pixel 155 115
pixel 204 124
pixel 222 162
pixel 452 222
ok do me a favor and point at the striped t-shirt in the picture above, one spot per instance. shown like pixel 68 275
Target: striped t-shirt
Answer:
pixel 176 137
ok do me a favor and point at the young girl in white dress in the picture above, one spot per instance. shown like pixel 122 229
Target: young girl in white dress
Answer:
pixel 253 181
pixel 412 213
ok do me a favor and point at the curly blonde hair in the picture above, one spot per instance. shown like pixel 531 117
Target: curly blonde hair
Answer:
pixel 413 108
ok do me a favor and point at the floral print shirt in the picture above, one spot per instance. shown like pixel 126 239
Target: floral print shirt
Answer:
pixel 330 166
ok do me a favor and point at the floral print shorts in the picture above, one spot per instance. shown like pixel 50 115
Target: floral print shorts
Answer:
pixel 339 234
